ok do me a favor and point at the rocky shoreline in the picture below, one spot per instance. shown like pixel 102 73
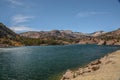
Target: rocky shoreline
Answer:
pixel 100 42
pixel 97 68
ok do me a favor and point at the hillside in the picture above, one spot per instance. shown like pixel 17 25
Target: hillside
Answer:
pixel 6 32
pixel 109 38
pixel 8 37
pixel 111 35
pixel 54 33
pixel 56 37
pixel 69 37
pixel 61 36
pixel 98 33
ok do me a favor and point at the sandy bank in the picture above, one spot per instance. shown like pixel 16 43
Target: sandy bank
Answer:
pixel 106 68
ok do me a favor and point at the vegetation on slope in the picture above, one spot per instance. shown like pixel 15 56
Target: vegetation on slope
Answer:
pixel 10 38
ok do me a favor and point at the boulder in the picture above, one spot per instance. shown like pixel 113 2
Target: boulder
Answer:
pixel 95 67
pixel 68 75
pixel 86 70
pixel 96 62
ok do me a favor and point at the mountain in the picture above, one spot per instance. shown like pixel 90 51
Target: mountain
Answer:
pixel 113 34
pixel 69 37
pixel 54 34
pixel 56 37
pixel 109 38
pixel 8 37
pixel 60 34
pixel 6 32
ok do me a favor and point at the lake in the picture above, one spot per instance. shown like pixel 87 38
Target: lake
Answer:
pixel 47 62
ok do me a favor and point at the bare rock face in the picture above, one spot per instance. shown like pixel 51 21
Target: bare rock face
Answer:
pixel 68 75
pixel 110 42
pixel 6 32
pixel 98 33
pixel 80 71
pixel 96 62
pixel 102 42
pixel 54 33
pixel 95 67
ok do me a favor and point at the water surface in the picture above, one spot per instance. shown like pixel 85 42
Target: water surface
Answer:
pixel 46 62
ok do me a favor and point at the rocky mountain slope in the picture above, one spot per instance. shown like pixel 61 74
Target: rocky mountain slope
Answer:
pixel 6 32
pixel 98 33
pixel 110 35
pixel 60 34
pixel 99 37
pixel 8 37
pixel 109 38
pixel 56 37
pixel 54 33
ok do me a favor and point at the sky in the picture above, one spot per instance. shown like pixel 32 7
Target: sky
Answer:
pixel 77 15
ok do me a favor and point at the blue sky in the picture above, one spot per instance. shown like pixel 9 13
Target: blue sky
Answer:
pixel 77 15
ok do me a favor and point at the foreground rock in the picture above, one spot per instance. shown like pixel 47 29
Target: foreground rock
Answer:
pixel 106 68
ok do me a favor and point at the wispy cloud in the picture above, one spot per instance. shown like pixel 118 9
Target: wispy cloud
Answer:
pixel 92 13
pixel 19 22
pixel 15 2
pixel 20 19
pixel 22 28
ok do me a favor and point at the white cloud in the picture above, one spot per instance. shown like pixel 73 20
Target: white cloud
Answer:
pixel 20 19
pixel 22 28
pixel 15 2
pixel 18 23
pixel 87 14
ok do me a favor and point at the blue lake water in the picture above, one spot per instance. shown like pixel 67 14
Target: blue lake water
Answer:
pixel 47 62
